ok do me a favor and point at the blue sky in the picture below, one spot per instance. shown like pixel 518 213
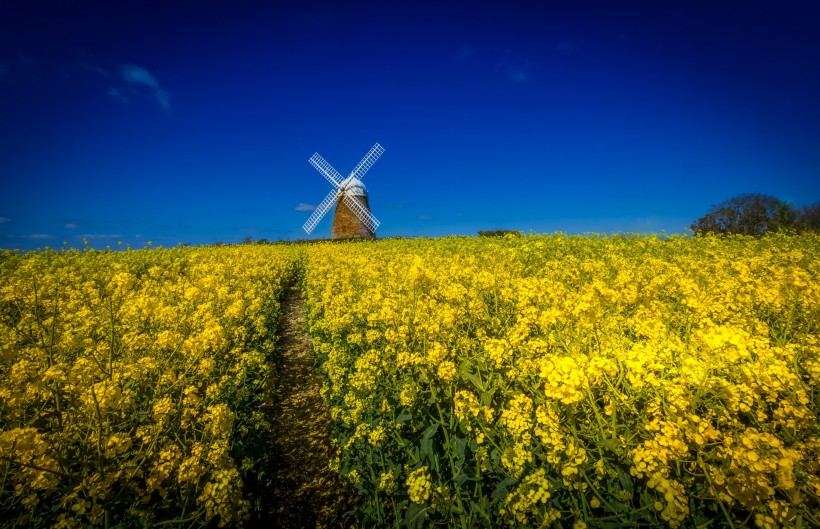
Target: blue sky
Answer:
pixel 136 122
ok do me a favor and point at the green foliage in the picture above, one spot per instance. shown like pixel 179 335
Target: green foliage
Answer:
pixel 499 233
pixel 755 214
pixel 808 218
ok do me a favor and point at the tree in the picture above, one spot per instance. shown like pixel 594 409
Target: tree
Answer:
pixel 751 214
pixel 808 218
pixel 499 233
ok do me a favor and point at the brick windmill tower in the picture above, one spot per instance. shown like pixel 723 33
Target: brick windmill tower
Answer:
pixel 352 218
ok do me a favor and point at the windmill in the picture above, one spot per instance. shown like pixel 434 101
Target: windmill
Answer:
pixel 352 218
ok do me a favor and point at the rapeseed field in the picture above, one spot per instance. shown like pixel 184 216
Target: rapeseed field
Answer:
pixel 623 381
pixel 543 381
pixel 130 384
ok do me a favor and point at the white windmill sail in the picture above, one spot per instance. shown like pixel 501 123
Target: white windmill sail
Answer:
pixel 345 189
pixel 326 169
pixel 320 210
pixel 367 162
pixel 365 216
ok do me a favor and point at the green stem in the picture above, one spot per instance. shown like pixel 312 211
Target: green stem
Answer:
pixel 702 466
pixel 35 467
pixel 597 494
pixel 177 521
pixel 594 407
pixel 453 470
pixel 112 339
pixel 50 349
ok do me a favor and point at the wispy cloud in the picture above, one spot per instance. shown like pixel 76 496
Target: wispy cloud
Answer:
pixel 70 226
pixel 39 236
pixel 125 81
pixel 98 236
pixel 4 220
pixel 304 207
pixel 565 46
pixel 137 76
pixel 424 217
pixel 114 93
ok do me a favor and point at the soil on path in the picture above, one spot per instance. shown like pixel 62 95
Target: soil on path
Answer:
pixel 306 493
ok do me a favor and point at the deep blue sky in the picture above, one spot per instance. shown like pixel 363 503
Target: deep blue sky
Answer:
pixel 127 121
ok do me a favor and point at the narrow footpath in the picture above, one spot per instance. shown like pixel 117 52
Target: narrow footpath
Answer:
pixel 306 493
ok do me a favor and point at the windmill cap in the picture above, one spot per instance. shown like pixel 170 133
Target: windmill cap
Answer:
pixel 354 187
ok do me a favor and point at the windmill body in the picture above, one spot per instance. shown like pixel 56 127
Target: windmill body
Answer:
pixel 352 218
pixel 346 224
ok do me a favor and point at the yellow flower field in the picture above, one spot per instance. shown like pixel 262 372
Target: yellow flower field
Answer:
pixel 130 381
pixel 577 381
pixel 541 381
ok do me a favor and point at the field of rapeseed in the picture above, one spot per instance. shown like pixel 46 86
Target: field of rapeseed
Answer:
pixel 130 384
pixel 573 381
pixel 525 382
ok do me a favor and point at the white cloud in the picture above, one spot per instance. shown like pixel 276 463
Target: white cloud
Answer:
pixel 70 226
pixel 116 94
pixel 424 217
pixel 97 236
pixel 134 75
pixel 39 236
pixel 4 220
pixel 304 207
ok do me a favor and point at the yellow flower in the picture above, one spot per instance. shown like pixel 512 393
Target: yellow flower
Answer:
pixel 386 481
pixel 419 485
pixel 447 370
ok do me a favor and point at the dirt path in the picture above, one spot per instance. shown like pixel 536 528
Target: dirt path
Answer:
pixel 306 493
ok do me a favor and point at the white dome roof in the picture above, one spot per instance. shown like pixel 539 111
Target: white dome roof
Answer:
pixel 354 187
